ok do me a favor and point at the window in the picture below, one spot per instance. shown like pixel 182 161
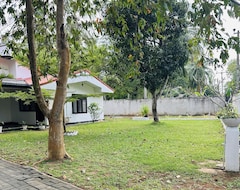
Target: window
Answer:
pixel 27 107
pixel 79 106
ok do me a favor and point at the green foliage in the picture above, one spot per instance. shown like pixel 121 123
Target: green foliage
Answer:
pixel 232 72
pixel 208 17
pixel 91 55
pixel 94 111
pixel 147 47
pixel 179 85
pixel 15 37
pixel 209 92
pixel 26 96
pixel 145 111
pixel 177 91
pixel 3 75
pixel 199 74
pixel 227 112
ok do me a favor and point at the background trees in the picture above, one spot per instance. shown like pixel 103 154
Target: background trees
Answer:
pixel 232 74
pixel 200 75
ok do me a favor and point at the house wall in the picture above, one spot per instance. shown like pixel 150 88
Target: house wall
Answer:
pixel 77 88
pixel 165 106
pixel 82 85
pixel 9 66
pixel 22 72
pixel 20 116
pixel 80 88
pixel 83 117
pixel 96 84
pixel 5 114
pixel 11 112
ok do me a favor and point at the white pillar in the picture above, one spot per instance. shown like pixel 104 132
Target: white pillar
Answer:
pixel 145 93
pixel 232 149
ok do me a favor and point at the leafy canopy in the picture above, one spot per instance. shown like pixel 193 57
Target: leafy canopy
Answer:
pixel 149 39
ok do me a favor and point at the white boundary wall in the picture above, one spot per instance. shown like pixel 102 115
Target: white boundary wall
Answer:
pixel 236 102
pixel 165 106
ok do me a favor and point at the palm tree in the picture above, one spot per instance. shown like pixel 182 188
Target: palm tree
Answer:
pixel 199 74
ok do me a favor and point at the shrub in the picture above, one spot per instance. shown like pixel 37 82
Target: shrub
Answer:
pixel 145 111
pixel 94 111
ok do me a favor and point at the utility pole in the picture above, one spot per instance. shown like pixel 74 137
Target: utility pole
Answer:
pixel 238 65
pixel 222 81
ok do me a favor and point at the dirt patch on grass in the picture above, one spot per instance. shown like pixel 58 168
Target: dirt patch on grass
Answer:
pixel 215 180
pixel 211 177
pixel 211 167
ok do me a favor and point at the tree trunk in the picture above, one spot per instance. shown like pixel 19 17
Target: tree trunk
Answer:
pixel 56 148
pixel 154 107
pixel 33 60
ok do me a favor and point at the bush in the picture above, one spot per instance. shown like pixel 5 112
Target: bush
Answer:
pixel 145 111
pixel 94 110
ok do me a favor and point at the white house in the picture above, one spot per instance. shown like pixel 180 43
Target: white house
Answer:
pixel 90 88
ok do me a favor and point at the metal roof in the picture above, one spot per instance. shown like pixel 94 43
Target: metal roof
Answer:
pixel 14 82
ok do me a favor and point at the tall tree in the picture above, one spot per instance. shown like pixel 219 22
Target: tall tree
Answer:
pixel 38 26
pixel 152 39
pixel 56 148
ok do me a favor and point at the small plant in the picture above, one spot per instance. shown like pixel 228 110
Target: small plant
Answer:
pixel 145 111
pixel 94 110
pixel 24 125
pixel 227 112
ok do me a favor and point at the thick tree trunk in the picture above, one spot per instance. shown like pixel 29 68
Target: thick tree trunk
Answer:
pixel 56 147
pixel 154 107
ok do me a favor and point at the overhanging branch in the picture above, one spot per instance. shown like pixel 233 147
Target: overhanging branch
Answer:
pixel 236 2
pixel 164 86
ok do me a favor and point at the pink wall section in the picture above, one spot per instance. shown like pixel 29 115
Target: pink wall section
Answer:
pixel 9 66
pixel 22 72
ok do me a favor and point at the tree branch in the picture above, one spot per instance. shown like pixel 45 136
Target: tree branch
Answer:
pixel 236 2
pixel 32 59
pixel 162 89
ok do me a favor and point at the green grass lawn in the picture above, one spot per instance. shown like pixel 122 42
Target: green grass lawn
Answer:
pixel 127 154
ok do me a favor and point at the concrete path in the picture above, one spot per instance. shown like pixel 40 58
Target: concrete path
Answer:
pixel 18 177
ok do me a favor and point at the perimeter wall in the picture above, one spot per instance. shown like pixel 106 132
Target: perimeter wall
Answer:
pixel 165 106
